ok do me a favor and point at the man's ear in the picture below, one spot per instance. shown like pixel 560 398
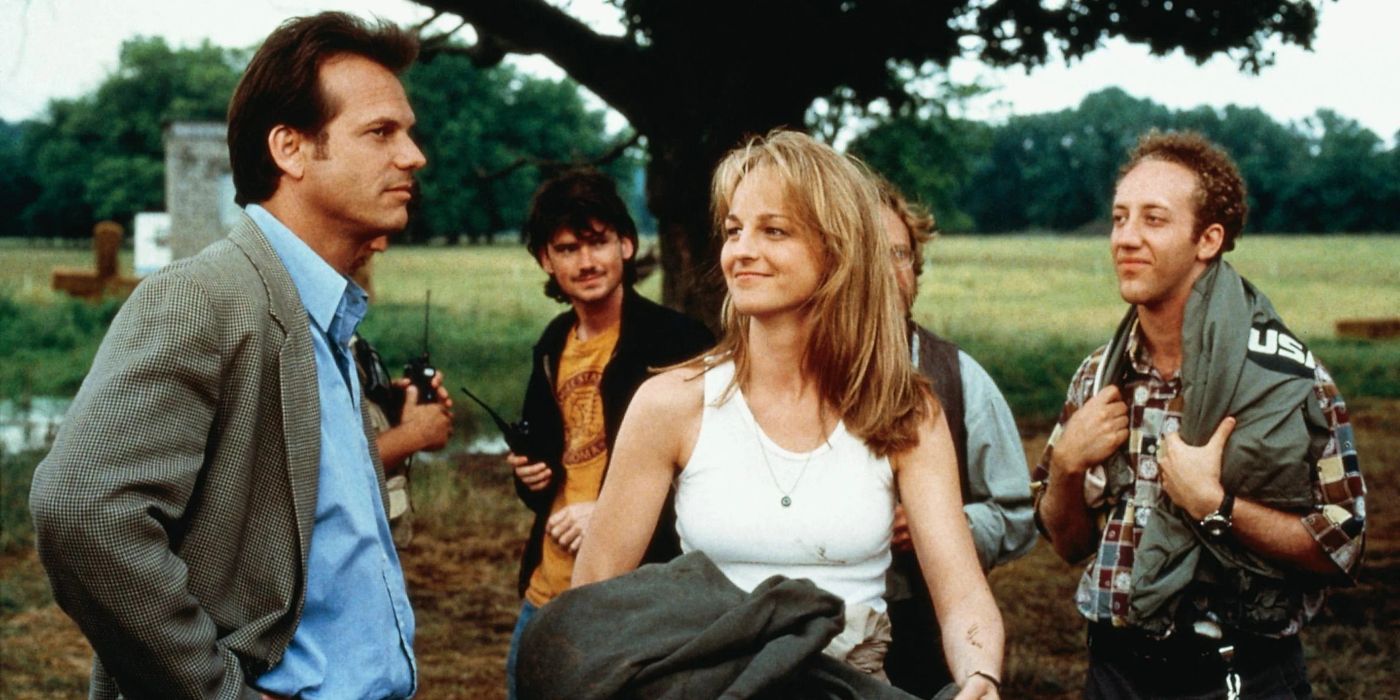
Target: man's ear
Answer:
pixel 628 248
pixel 289 149
pixel 544 262
pixel 1209 243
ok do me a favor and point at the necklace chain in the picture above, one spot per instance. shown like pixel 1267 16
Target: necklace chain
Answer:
pixel 786 500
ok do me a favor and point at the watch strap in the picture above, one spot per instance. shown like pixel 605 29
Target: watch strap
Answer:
pixel 1227 506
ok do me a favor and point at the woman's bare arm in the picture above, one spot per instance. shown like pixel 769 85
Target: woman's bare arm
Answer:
pixel 973 636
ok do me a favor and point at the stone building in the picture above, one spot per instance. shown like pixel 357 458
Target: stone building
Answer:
pixel 198 186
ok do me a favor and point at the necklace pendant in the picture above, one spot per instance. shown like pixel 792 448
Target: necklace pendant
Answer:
pixel 786 501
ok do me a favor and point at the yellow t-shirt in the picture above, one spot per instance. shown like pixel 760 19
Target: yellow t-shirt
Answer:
pixel 585 450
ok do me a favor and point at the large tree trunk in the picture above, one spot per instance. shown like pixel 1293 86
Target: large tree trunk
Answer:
pixel 678 193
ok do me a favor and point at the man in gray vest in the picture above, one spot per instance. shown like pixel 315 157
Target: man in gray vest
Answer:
pixel 1203 463
pixel 991 466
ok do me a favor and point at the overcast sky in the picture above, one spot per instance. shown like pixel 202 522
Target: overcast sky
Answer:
pixel 64 48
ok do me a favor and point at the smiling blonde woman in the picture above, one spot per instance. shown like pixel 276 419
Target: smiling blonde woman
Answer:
pixel 788 443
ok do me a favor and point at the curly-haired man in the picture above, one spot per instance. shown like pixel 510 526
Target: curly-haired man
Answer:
pixel 1203 462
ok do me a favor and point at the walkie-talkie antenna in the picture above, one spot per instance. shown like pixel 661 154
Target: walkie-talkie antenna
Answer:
pixel 421 370
pixel 517 435
pixel 427 308
pixel 495 417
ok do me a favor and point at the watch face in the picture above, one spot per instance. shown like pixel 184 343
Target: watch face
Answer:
pixel 1215 525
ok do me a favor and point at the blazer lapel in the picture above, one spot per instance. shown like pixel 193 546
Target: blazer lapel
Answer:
pixel 301 410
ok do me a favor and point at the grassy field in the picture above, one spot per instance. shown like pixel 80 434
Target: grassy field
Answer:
pixel 1029 308
pixel 1017 286
pixel 1003 285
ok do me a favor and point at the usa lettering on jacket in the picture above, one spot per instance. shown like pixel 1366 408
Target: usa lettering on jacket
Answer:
pixel 1272 346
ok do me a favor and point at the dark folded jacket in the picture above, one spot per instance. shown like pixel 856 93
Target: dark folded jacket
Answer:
pixel 682 630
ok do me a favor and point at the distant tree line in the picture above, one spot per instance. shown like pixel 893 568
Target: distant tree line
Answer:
pixel 1055 171
pixel 491 134
pixel 100 156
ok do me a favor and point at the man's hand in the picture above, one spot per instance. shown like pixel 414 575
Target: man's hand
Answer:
pixel 535 476
pixel 1092 434
pixel 428 425
pixel 570 524
pixel 421 426
pixel 1191 475
pixel 444 398
pixel 901 541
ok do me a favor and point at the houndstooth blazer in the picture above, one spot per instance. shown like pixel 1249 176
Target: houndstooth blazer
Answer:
pixel 174 513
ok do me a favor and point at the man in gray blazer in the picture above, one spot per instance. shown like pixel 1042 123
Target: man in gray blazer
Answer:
pixel 214 491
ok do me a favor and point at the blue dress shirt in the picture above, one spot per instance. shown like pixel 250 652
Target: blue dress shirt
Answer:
pixel 355 637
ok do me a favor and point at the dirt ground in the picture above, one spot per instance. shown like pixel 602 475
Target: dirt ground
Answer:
pixel 461 569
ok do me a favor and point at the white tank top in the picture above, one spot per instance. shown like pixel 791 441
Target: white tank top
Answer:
pixel 836 532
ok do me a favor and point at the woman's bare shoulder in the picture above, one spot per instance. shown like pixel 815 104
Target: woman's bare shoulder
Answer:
pixel 665 415
pixel 675 393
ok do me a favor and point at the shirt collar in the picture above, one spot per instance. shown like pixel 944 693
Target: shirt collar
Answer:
pixel 322 289
pixel 1141 356
pixel 1137 352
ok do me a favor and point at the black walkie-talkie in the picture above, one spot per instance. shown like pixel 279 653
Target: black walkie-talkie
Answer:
pixel 421 370
pixel 517 435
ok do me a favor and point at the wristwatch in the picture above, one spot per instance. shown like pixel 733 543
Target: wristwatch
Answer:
pixel 1217 524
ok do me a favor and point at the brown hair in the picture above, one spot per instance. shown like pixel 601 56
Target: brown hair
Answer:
pixel 858 352
pixel 573 200
pixel 1220 191
pixel 921 224
pixel 282 86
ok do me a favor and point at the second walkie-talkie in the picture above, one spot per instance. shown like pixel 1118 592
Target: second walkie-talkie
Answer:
pixel 517 435
pixel 421 371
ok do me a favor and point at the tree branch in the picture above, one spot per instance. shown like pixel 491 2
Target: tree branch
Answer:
pixel 547 164
pixel 609 66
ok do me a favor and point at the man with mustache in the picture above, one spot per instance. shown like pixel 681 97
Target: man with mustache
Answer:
pixel 1203 463
pixel 587 364
pixel 215 489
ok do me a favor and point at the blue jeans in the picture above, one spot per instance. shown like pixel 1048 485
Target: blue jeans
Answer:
pixel 527 611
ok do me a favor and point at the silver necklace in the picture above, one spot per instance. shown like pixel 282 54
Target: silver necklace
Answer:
pixel 786 500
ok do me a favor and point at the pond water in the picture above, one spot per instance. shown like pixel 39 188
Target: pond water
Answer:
pixel 490 444
pixel 30 424
pixel 33 423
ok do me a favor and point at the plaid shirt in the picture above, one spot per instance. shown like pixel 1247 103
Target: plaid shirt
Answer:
pixel 1154 410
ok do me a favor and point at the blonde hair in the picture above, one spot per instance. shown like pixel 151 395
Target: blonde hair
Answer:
pixel 858 352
